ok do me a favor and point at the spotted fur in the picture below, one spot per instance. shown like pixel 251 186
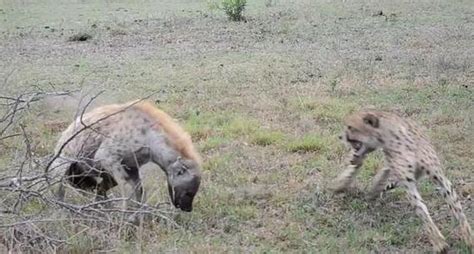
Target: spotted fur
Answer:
pixel 409 156
pixel 107 146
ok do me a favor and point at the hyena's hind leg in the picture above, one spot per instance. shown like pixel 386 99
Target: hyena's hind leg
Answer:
pixel 107 183
pixel 72 176
pixel 435 236
pixel 451 197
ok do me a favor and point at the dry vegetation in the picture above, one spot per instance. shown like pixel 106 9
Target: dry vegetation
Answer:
pixel 263 100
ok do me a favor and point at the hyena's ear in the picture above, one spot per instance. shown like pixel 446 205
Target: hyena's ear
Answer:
pixel 371 120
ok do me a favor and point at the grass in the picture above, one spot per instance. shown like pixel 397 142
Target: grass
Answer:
pixel 266 137
pixel 307 143
pixel 264 102
pixel 328 110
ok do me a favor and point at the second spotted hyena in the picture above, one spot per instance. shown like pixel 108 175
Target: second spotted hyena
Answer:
pixel 107 146
pixel 409 156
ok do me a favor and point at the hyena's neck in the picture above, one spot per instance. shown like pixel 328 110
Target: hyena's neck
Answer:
pixel 163 153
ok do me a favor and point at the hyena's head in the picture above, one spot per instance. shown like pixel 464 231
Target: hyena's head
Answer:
pixel 361 132
pixel 184 178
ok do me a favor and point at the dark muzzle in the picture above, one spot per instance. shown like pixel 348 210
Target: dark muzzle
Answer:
pixel 185 202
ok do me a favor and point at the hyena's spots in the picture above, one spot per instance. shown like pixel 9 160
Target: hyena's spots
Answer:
pixel 112 143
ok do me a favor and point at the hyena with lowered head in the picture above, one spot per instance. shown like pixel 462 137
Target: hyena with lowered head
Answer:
pixel 107 146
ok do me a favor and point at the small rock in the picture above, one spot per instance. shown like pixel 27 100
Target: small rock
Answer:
pixel 80 37
pixel 467 190
pixel 378 58
pixel 378 13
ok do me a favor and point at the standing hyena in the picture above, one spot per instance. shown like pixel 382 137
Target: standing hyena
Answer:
pixel 408 156
pixel 106 147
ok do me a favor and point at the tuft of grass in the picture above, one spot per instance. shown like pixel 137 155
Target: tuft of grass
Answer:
pixel 265 138
pixel 234 9
pixel 218 162
pixel 358 205
pixel 213 143
pixel 203 125
pixel 240 126
pixel 81 244
pixel 222 124
pixel 329 110
pixel 308 143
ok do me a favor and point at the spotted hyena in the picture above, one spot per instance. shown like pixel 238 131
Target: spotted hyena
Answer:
pixel 107 146
pixel 408 156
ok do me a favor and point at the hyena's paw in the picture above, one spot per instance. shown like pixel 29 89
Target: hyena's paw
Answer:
pixel 443 249
pixel 377 193
pixel 374 195
pixel 338 187
pixel 467 236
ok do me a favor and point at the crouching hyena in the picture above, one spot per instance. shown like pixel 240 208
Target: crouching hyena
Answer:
pixel 408 156
pixel 106 147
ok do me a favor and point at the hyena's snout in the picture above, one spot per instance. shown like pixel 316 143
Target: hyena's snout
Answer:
pixel 185 202
pixel 183 194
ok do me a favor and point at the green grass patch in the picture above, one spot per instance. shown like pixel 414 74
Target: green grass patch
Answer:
pixel 205 124
pixel 373 163
pixel 266 137
pixel 419 99
pixel 223 124
pixel 213 143
pixel 217 162
pixel 240 126
pixel 308 143
pixel 329 109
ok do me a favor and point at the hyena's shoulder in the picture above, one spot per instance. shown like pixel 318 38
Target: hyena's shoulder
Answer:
pixel 177 136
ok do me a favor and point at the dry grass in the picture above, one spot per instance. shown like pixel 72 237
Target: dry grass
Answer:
pixel 263 100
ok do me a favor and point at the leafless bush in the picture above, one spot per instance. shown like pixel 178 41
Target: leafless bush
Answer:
pixel 32 220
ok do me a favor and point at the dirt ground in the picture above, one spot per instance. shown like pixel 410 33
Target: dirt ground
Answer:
pixel 263 100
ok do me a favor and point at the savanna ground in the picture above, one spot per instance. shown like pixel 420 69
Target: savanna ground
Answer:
pixel 263 100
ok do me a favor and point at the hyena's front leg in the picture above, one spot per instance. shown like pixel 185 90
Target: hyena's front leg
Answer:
pixel 111 164
pixel 57 178
pixel 138 193
pixel 381 182
pixel 60 191
pixel 134 180
pixel 345 179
